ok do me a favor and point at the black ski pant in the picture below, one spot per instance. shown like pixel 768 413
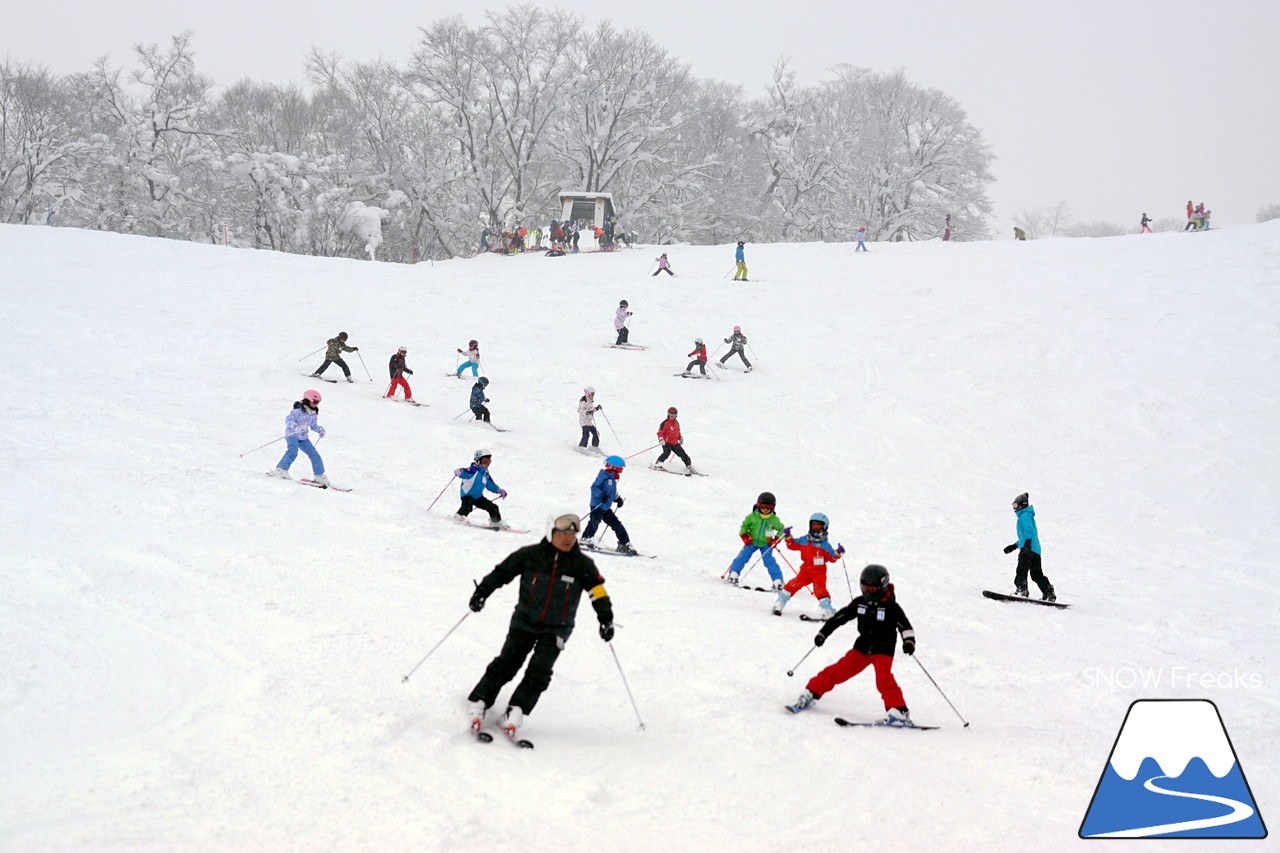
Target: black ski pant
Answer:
pixel 1029 564
pixel 592 433
pixel 546 647
pixel 610 518
pixel 469 503
pixel 666 270
pixel 622 335
pixel 338 361
pixel 739 353
pixel 481 413
pixel 701 365
pixel 668 449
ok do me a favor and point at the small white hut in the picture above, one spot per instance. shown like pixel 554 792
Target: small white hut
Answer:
pixel 596 207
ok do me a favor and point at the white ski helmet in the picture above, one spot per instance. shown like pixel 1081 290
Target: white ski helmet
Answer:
pixel 698 341
pixel 589 391
pixel 562 520
pixel 481 454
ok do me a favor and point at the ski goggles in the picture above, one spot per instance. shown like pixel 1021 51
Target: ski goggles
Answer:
pixel 566 524
pixel 765 509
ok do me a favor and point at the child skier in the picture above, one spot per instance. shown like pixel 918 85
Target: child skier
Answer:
pixel 473 359
pixel 737 346
pixel 880 619
pixel 1029 555
pixel 478 399
pixel 669 435
pixel 604 492
pixel 475 480
pixel 759 532
pixel 297 426
pixel 334 347
pixel 862 235
pixel 540 624
pixel 815 553
pixel 699 356
pixel 1146 225
pixel 398 369
pixel 587 408
pixel 740 262
pixel 620 323
pixel 664 265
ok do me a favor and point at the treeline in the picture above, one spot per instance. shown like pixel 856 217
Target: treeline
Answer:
pixel 483 128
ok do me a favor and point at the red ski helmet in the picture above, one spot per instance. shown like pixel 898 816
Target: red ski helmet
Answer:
pixel 671 411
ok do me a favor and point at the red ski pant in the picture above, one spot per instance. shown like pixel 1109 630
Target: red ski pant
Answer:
pixel 399 382
pixel 816 575
pixel 852 664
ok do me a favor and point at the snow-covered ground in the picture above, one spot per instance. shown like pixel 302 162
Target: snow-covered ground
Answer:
pixel 198 657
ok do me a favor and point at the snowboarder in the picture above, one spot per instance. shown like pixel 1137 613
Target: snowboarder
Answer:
pixel 604 492
pixel 862 235
pixel 473 359
pixel 542 622
pixel 815 553
pixel 587 408
pixel 475 480
pixel 664 265
pixel 398 369
pixel 672 441
pixel 1018 233
pixel 1028 547
pixel 759 531
pixel 699 355
pixel 620 323
pixel 297 426
pixel 737 346
pixel 740 259
pixel 333 355
pixel 880 620
pixel 478 399
pixel 1146 225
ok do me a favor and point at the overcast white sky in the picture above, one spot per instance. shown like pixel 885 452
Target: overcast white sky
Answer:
pixel 1117 107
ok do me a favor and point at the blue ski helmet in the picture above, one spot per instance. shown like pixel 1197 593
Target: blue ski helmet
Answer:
pixel 821 522
pixel 615 464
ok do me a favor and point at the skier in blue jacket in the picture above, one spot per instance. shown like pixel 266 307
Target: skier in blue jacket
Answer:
pixel 604 492
pixel 1028 547
pixel 475 480
pixel 478 399
pixel 740 262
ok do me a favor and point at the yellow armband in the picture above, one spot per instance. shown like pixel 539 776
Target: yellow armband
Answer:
pixel 598 592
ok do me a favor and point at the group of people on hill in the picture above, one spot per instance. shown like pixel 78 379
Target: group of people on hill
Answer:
pixel 1197 217
pixel 562 237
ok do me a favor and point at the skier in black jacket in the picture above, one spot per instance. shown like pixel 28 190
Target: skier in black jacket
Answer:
pixel 553 575
pixel 880 619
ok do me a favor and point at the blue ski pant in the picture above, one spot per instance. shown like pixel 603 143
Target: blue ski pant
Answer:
pixel 747 552
pixel 305 445
pixel 475 368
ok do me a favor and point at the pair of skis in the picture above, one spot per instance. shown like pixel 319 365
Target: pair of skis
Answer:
pixel 677 473
pixel 487 737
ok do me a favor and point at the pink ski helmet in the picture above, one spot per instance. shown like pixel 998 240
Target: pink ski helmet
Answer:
pixel 737 328
pixel 312 397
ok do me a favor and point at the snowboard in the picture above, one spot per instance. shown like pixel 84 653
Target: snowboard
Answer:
pixel 1000 596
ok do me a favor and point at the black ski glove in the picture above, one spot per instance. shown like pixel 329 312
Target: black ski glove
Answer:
pixel 477 601
pixel 606 631
pixel 908 647
pixel 820 639
pixel 1009 549
pixel 619 501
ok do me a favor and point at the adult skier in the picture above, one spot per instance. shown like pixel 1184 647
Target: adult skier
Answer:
pixel 473 359
pixel 620 323
pixel 815 553
pixel 1028 548
pixel 699 356
pixel 398 369
pixel 759 531
pixel 880 619
pixel 297 426
pixel 478 399
pixel 740 261
pixel 334 347
pixel 672 441
pixel 553 575
pixel 474 481
pixel 587 408
pixel 604 493
pixel 737 346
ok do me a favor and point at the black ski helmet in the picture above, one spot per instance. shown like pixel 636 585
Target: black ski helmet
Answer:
pixel 473 343
pixel 876 577
pixel 483 380
pixel 342 335
pixel 1021 501
pixel 741 244
pixel 624 303
pixel 766 499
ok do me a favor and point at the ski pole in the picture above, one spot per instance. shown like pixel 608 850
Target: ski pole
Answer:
pixel 646 450
pixel 611 429
pixel 362 364
pixel 308 355
pixel 260 446
pixel 651 266
pixel 436 646
pixel 793 669
pixel 460 414
pixel 628 686
pixel 847 582
pixel 753 353
pixel 446 485
pixel 944 696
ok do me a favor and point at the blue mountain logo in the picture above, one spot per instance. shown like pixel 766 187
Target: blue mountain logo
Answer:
pixel 1173 773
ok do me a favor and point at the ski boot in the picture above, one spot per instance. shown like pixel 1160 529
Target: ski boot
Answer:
pixel 806 699
pixel 279 472
pixel 897 717
pixel 475 712
pixel 731 578
pixel 321 480
pixel 1022 591
pixel 776 586
pixel 511 721
pixel 349 379
pixel 625 548
pixel 783 598
pixel 1049 596
pixel 827 610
